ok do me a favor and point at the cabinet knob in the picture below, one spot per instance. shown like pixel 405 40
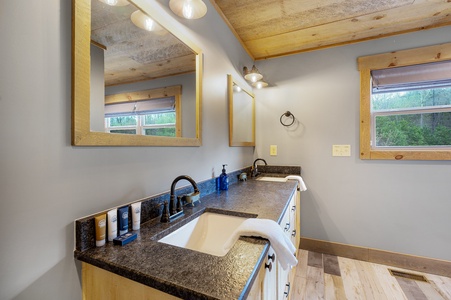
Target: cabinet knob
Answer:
pixel 293 208
pixel 269 266
pixel 272 257
pixel 287 227
pixel 293 233
pixel 288 286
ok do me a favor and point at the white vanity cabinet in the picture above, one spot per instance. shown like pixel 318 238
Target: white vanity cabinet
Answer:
pixel 273 282
pixel 290 225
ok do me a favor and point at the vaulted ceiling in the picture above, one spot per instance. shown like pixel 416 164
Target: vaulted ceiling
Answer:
pixel 272 28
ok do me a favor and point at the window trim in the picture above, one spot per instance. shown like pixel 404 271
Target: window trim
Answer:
pixel 408 57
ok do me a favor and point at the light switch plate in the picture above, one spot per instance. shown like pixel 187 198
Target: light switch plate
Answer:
pixel 341 150
pixel 273 150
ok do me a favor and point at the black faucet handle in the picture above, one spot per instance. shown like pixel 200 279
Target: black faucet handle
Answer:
pixel 165 213
pixel 179 203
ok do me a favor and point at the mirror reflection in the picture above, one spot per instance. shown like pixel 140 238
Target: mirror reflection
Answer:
pixel 144 80
pixel 241 115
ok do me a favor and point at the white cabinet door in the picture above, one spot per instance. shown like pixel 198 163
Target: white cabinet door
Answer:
pixel 270 281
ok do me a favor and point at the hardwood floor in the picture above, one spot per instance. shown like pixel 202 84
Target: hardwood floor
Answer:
pixel 322 276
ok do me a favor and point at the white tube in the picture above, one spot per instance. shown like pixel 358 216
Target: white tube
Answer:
pixel 112 224
pixel 136 215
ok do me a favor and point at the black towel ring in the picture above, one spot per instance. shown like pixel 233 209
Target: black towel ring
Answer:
pixel 288 115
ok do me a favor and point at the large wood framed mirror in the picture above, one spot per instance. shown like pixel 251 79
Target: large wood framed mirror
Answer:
pixel 124 72
pixel 241 115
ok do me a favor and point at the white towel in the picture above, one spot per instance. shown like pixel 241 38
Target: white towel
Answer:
pixel 302 186
pixel 268 229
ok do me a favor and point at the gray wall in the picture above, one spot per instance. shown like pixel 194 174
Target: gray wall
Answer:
pixel 45 183
pixel 401 206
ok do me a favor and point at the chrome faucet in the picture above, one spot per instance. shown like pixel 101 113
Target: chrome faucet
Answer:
pixel 175 208
pixel 254 167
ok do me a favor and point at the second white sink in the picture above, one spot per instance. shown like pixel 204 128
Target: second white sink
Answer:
pixel 207 233
pixel 267 178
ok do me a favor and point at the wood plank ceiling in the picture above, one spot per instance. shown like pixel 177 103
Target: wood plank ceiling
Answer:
pixel 272 28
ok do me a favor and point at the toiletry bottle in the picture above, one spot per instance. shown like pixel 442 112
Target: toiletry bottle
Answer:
pixel 223 179
pixel 122 215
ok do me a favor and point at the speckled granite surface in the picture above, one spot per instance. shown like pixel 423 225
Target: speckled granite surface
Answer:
pixel 194 275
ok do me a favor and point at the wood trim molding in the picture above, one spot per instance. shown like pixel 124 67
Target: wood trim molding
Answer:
pixel 394 259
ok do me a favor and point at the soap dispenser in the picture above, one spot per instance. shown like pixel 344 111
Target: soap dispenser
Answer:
pixel 223 179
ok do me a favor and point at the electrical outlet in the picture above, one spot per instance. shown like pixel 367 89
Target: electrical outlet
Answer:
pixel 341 150
pixel 273 150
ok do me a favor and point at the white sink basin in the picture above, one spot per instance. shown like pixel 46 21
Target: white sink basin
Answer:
pixel 207 233
pixel 266 178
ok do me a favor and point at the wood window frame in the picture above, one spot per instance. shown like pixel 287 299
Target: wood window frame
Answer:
pixel 394 59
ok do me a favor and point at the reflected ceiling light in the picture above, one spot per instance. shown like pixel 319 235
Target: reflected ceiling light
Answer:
pixel 236 88
pixel 252 75
pixel 188 9
pixel 115 2
pixel 259 84
pixel 143 21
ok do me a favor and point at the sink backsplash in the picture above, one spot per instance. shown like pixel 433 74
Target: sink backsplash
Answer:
pixel 281 171
pixel 151 207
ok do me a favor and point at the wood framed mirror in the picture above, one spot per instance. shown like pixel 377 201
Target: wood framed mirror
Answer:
pixel 241 115
pixel 135 65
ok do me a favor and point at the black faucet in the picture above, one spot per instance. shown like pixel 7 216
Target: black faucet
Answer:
pixel 175 209
pixel 254 167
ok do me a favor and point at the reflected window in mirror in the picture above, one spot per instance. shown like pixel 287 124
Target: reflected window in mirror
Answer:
pixel 241 115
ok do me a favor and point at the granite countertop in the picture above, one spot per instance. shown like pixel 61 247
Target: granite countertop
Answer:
pixel 190 274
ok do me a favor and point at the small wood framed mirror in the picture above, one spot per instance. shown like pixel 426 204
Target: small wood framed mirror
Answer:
pixel 241 115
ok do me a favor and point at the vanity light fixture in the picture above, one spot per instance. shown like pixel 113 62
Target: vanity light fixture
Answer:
pixel 116 2
pixel 236 88
pixel 188 9
pixel 253 75
pixel 143 21
pixel 260 84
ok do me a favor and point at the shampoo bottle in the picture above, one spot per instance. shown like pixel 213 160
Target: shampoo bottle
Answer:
pixel 122 216
pixel 223 179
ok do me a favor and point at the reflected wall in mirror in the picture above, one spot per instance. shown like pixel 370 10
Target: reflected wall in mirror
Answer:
pixel 241 115
pixel 133 84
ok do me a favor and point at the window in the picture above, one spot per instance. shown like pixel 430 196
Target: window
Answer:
pixel 405 105
pixel 157 116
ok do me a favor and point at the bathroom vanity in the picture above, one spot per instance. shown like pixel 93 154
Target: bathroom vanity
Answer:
pixel 149 269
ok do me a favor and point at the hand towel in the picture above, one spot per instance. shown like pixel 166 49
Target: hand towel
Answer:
pixel 268 229
pixel 302 186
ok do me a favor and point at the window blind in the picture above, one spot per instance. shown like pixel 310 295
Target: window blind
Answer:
pixel 421 76
pixel 145 107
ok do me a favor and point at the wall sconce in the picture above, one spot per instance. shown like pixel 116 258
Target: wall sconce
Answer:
pixel 255 77
pixel 188 9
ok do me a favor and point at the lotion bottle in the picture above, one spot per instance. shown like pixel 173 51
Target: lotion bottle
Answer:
pixel 136 215
pixel 112 224
pixel 100 222
pixel 223 179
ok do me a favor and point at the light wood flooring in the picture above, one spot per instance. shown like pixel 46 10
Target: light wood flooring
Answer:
pixel 322 276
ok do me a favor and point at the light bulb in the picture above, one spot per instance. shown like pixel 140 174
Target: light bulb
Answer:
pixel 144 22
pixel 188 9
pixel 115 2
pixel 260 84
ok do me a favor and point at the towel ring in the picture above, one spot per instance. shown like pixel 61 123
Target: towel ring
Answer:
pixel 287 114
